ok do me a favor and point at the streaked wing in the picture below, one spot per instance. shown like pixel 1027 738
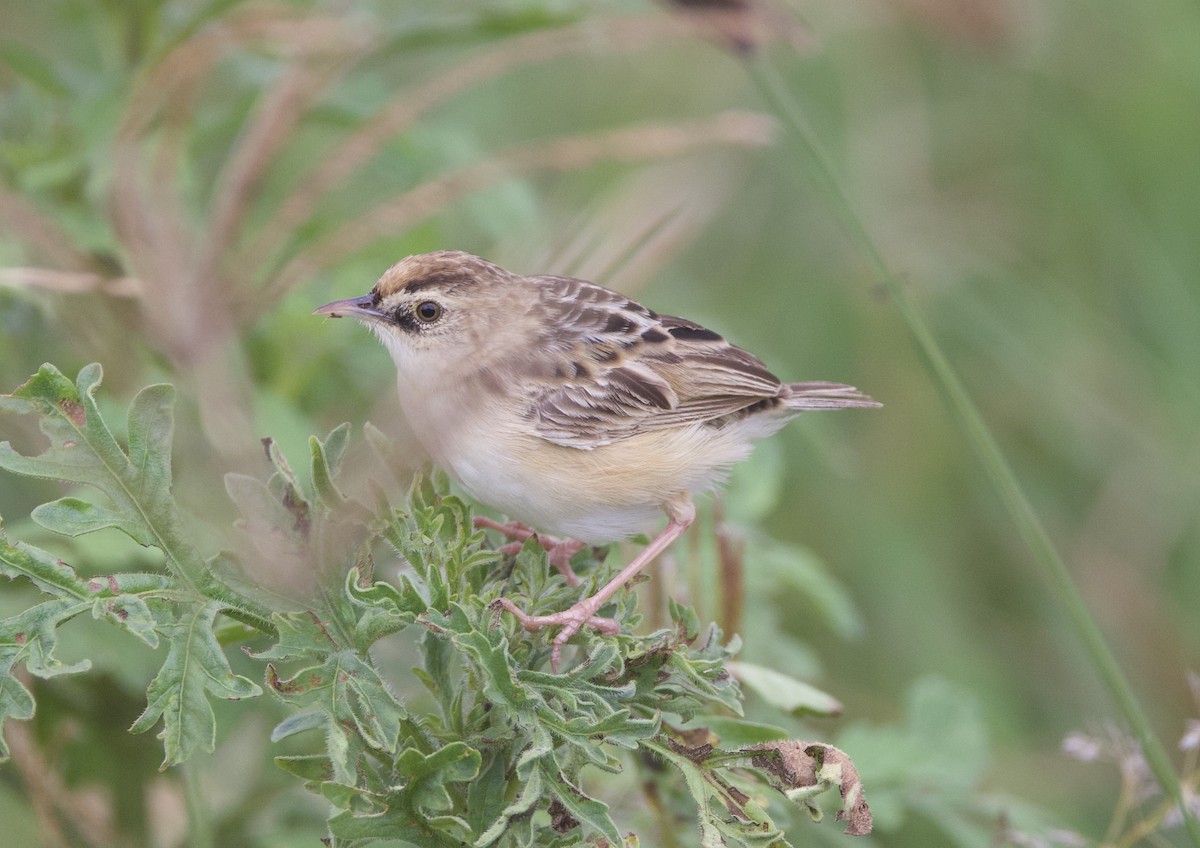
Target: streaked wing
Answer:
pixel 623 369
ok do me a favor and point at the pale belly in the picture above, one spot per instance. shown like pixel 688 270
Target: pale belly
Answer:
pixel 598 496
pixel 552 504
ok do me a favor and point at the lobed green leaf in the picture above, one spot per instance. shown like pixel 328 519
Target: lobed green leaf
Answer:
pixel 195 668
pixel 83 450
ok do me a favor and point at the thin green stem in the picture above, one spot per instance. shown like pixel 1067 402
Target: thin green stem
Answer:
pixel 999 472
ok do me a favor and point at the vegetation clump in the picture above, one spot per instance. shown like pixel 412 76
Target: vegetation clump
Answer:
pixel 501 750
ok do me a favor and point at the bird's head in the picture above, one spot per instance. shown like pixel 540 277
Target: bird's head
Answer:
pixel 445 303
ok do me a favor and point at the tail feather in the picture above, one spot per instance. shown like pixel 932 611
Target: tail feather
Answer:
pixel 817 394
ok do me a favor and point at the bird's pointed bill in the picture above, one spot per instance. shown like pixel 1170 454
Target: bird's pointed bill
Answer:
pixel 357 306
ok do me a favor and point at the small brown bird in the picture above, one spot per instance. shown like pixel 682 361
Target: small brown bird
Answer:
pixel 571 408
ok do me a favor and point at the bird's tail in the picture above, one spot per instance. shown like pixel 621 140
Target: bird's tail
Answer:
pixel 817 394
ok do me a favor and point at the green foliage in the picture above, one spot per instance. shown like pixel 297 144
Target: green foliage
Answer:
pixel 503 753
pixel 180 606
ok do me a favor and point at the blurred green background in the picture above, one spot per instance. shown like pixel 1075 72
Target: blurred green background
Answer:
pixel 182 182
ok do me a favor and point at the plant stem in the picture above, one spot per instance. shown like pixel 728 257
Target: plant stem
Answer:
pixel 199 823
pixel 999 472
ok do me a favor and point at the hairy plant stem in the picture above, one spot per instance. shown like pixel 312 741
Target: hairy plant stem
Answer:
pixel 999 472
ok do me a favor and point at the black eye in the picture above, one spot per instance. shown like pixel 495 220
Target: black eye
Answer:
pixel 428 311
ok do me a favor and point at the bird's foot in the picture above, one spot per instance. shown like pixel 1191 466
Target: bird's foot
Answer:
pixel 571 621
pixel 583 614
pixel 559 551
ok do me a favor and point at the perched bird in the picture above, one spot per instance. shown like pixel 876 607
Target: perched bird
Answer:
pixel 571 408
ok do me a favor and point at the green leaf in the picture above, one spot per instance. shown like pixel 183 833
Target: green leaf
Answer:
pixel 137 484
pixel 486 796
pixel 411 809
pixel 31 636
pixel 314 719
pixel 739 733
pixel 34 68
pixel 529 793
pixel 83 450
pixel 785 693
pixel 322 467
pixel 385 609
pixel 788 569
pixel 73 517
pixel 942 740
pixel 584 809
pixel 130 613
pixel 348 689
pixel 726 815
pixel 15 700
pixel 488 649
pixel 309 768
pixel 428 774
pixel 47 572
pixel 195 668
pixel 302 635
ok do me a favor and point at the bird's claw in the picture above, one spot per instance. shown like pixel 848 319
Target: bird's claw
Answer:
pixel 571 620
pixel 559 551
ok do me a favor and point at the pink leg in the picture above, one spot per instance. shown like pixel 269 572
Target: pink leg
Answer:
pixel 560 551
pixel 513 529
pixel 682 513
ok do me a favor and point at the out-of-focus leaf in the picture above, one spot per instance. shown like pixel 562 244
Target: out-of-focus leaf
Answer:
pixel 941 742
pixel 300 722
pixel 15 700
pixel 942 736
pixel 739 733
pixel 783 567
pixel 755 484
pixel 786 693
pixel 33 67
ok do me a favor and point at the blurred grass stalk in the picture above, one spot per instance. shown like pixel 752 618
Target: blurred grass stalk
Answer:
pixel 999 472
